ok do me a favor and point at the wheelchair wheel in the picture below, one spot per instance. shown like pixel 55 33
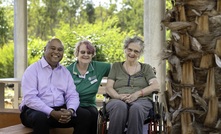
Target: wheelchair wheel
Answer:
pixel 157 124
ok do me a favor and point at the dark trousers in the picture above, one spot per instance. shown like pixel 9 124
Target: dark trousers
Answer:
pixel 84 123
pixel 86 119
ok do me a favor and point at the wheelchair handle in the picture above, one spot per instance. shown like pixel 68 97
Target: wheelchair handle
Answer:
pixel 155 96
pixel 155 92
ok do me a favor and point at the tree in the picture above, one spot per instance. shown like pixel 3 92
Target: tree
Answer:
pixel 68 20
pixel 6 61
pixel 44 16
pixel 70 11
pixel 194 76
pixel 131 16
pixel 5 28
pixel 90 13
pixel 107 38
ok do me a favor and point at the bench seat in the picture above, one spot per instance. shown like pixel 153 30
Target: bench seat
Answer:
pixel 10 123
pixel 10 119
pixel 16 129
pixel 20 129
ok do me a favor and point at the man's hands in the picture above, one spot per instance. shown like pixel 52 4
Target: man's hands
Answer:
pixel 62 116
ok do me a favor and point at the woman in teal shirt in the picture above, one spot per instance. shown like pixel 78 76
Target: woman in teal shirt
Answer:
pixel 87 75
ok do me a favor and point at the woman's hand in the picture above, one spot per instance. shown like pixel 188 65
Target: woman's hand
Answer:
pixel 123 97
pixel 132 97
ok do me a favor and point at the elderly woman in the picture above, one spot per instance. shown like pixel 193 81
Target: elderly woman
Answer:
pixel 130 84
pixel 87 75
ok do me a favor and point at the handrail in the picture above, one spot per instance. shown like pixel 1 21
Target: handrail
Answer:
pixel 17 85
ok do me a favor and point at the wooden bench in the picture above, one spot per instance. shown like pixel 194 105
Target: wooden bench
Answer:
pixel 20 129
pixel 101 91
pixel 17 84
pixel 16 129
pixel 10 119
pixel 10 123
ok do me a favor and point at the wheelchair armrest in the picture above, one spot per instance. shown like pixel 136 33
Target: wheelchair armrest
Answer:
pixel 102 111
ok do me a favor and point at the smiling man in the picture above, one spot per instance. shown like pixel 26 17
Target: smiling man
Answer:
pixel 53 52
pixel 49 98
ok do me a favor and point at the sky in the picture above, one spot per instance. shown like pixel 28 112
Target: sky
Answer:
pixel 106 2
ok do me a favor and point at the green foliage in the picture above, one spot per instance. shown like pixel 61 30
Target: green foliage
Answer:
pixel 131 16
pixel 5 27
pixel 42 19
pixel 90 13
pixel 169 4
pixel 168 7
pixel 45 15
pixel 72 21
pixel 106 37
pixel 35 49
pixel 7 61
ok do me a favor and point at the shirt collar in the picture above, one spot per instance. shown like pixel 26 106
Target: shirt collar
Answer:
pixel 44 63
pixel 76 72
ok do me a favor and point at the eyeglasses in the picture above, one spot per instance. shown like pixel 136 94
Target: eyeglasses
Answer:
pixel 83 52
pixel 131 50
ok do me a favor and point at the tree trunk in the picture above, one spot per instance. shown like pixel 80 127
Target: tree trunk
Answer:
pixel 194 74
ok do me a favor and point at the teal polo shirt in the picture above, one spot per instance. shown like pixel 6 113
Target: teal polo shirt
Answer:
pixel 87 86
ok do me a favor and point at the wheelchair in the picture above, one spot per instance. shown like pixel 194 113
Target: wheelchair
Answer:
pixel 155 122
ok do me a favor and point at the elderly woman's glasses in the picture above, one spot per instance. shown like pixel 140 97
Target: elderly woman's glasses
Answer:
pixel 83 52
pixel 131 50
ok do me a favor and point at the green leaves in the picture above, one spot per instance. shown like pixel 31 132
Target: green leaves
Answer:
pixel 105 36
pixel 7 61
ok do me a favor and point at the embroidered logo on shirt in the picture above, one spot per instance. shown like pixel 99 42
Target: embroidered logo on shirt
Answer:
pixel 93 81
pixel 92 77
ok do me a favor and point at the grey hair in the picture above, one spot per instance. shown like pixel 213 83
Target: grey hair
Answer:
pixel 134 39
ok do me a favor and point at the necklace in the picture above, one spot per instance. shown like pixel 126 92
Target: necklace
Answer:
pixel 131 70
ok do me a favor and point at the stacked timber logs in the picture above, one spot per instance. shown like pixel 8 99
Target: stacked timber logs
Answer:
pixel 194 67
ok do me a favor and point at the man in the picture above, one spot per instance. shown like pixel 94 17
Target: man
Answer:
pixel 49 98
